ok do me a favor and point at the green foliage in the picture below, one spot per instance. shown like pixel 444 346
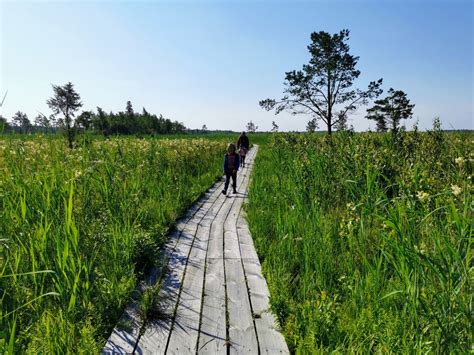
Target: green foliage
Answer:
pixel 21 121
pixel 322 88
pixel 365 241
pixel 79 227
pixel 66 101
pixel 389 111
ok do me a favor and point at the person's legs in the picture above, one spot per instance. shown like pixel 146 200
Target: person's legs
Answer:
pixel 234 182
pixel 226 185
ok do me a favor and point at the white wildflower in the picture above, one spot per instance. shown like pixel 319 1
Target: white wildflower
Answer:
pixel 459 161
pixel 422 196
pixel 456 190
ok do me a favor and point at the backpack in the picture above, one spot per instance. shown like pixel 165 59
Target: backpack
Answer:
pixel 231 163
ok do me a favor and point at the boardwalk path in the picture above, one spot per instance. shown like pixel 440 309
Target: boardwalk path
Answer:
pixel 214 297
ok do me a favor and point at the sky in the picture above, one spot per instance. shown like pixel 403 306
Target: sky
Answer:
pixel 210 62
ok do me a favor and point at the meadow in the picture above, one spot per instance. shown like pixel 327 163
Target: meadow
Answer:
pixel 366 239
pixel 79 228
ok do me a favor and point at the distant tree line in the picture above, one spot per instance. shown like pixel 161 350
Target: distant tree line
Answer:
pixel 66 103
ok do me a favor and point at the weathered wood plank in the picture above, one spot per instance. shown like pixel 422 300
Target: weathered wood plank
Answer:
pixel 213 322
pixel 183 338
pixel 212 336
pixel 242 334
pixel 156 334
pixel 271 341
pixel 185 331
pixel 269 338
pixel 247 248
pixel 123 339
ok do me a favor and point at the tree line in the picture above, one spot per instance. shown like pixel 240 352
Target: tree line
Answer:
pixel 65 104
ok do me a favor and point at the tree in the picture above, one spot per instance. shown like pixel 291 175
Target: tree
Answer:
pixel 66 101
pixel 204 128
pixel 274 127
pixel 388 112
pixel 341 124
pixel 100 122
pixel 43 122
pixel 312 125
pixel 251 127
pixel 323 86
pixel 85 119
pixel 21 121
pixel 129 109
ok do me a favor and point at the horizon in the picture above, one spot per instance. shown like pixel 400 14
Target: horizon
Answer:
pixel 210 62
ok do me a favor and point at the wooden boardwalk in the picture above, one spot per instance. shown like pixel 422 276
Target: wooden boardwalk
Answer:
pixel 214 299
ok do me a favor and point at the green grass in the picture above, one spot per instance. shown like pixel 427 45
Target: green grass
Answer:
pixel 366 241
pixel 80 227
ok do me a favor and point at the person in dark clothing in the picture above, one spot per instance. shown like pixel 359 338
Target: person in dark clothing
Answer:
pixel 243 146
pixel 243 141
pixel 231 165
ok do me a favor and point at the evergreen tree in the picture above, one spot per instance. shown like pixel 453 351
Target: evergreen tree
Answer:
pixel 66 101
pixel 21 121
pixel 388 112
pixel 323 86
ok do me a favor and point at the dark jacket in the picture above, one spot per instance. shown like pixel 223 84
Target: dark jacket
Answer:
pixel 243 141
pixel 228 162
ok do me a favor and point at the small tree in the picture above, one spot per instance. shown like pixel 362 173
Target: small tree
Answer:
pixel 322 88
pixel 21 121
pixel 388 112
pixel 100 122
pixel 44 122
pixel 85 119
pixel 204 128
pixel 66 101
pixel 274 127
pixel 251 127
pixel 312 125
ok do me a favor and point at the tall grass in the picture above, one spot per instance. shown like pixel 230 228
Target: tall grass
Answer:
pixel 79 227
pixel 366 240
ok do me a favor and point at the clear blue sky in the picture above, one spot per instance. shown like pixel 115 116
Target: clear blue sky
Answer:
pixel 210 62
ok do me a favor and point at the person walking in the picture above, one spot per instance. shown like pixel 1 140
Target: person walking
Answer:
pixel 231 166
pixel 243 145
pixel 243 141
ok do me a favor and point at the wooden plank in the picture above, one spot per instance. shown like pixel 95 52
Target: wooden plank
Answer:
pixel 269 338
pixel 184 336
pixel 216 238
pixel 271 341
pixel 156 334
pixel 242 334
pixel 212 336
pixel 231 244
pixel 125 334
pixel 185 333
pixel 246 245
